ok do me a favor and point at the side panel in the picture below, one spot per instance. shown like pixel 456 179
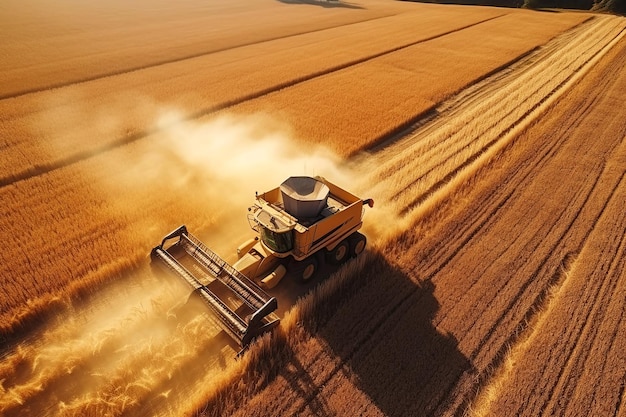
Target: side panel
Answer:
pixel 329 231
pixel 272 196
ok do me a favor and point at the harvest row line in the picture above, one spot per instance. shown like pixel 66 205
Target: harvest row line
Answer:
pixel 77 43
pixel 456 330
pixel 63 187
pixel 581 280
pixel 235 81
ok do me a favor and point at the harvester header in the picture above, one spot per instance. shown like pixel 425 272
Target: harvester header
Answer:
pixel 257 303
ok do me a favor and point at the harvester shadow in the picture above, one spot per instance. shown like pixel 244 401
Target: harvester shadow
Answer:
pixel 374 322
pixel 324 3
pixel 399 359
pixel 290 290
pixel 303 385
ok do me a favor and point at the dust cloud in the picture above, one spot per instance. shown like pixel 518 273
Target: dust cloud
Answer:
pixel 242 154
pixel 137 347
pixel 234 156
pixel 205 174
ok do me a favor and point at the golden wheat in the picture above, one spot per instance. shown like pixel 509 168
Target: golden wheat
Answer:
pixel 43 128
pixel 403 85
pixel 72 226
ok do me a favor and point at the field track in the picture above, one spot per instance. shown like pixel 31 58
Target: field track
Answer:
pixel 495 283
pixel 469 313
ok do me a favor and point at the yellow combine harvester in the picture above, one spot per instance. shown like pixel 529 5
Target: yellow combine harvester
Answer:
pixel 299 225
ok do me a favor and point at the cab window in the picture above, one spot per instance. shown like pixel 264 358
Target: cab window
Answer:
pixel 278 242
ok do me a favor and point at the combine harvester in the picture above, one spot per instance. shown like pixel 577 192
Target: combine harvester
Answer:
pixel 298 226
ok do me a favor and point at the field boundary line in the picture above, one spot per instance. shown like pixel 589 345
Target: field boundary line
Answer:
pixel 409 127
pixel 173 60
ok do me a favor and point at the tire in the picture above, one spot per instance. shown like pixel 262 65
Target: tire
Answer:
pixel 305 270
pixel 357 244
pixel 340 254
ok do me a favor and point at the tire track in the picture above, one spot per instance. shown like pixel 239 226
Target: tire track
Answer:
pixel 606 186
pixel 521 176
pixel 595 296
pixel 620 401
pixel 596 310
pixel 527 118
pixel 43 169
pixel 535 308
pixel 586 197
pixel 461 138
pixel 555 281
pixel 554 392
pixel 370 337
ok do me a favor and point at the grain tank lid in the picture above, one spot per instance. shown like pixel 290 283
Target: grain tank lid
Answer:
pixel 304 196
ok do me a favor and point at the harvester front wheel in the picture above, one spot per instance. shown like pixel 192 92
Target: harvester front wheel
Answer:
pixel 357 244
pixel 307 269
pixel 339 254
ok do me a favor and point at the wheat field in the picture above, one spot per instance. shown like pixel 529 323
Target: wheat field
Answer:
pixel 491 139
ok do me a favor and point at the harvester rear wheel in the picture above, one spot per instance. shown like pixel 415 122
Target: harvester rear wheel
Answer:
pixel 357 244
pixel 339 254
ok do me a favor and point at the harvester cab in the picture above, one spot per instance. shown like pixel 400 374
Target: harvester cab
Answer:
pixel 299 225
